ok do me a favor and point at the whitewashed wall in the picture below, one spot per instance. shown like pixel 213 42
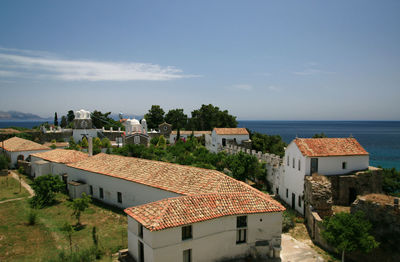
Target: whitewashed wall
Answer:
pixel 14 155
pixel 54 168
pixel 133 194
pixel 212 239
pixel 216 140
pixel 333 165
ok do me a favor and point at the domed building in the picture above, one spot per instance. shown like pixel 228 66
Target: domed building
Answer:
pixel 136 132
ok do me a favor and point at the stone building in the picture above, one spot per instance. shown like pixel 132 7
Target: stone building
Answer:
pixel 136 132
pixel 221 137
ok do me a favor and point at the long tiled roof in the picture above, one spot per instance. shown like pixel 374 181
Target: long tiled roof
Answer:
pixel 62 156
pixel 188 132
pixel 185 180
pixel 178 211
pixel 322 147
pixel 16 144
pixel 231 131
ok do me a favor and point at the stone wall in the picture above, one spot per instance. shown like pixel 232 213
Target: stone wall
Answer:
pixel 318 194
pixel 270 159
pixel 345 188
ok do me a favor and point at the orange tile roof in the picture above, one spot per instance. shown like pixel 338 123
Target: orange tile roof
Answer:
pixel 188 132
pixel 16 144
pixel 62 156
pixel 231 131
pixel 329 147
pixel 185 180
pixel 178 211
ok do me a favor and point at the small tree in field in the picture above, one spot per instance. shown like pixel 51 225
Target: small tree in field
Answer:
pixel 349 232
pixel 79 205
pixel 68 230
pixel 45 188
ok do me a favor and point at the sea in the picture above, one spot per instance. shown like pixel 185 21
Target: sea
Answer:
pixel 380 138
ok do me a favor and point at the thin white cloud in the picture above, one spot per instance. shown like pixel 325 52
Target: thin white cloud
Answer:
pixel 41 66
pixel 243 87
pixel 311 71
pixel 274 88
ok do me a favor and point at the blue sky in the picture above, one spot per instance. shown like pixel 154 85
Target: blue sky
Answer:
pixel 270 60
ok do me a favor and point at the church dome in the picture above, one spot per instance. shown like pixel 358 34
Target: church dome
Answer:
pixel 133 122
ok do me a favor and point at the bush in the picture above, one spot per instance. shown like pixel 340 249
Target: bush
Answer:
pixel 3 161
pixel 83 255
pixel 45 188
pixel 32 217
pixel 288 221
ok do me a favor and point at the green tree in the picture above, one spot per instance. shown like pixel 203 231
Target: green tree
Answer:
pixel 209 116
pixel 244 166
pixel 105 143
pixel 79 205
pixel 63 123
pixel 3 161
pixel 68 231
pixel 96 146
pixel 70 116
pixel 84 142
pixel 267 144
pixel 55 119
pixel 319 135
pixel 154 117
pixel 101 120
pixel 162 143
pixel 176 118
pixel 45 188
pixel 391 181
pixel 349 232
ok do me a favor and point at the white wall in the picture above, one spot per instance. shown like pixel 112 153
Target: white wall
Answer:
pixel 212 239
pixel 216 140
pixel 77 134
pixel 54 168
pixel 133 194
pixel 14 155
pixel 333 165
pixel 172 138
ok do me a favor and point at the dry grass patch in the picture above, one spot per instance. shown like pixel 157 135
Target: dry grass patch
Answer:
pixel 10 188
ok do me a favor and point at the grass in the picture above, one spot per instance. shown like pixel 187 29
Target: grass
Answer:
pixel 9 188
pixel 45 240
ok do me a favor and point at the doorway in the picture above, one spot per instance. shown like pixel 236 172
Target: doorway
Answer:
pixel 141 251
pixel 314 165
pixel 293 200
pixel 352 195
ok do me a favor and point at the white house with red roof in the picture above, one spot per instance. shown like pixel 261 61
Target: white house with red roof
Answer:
pixel 19 149
pixel 182 213
pixel 326 156
pixel 220 137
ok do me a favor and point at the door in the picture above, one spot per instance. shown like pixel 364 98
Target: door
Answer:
pixel 141 252
pixel 352 195
pixel 293 200
pixel 314 166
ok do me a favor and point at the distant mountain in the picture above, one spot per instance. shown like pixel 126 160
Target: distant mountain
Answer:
pixel 15 115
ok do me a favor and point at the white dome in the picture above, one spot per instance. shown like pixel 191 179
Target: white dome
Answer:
pixel 133 122
pixel 82 114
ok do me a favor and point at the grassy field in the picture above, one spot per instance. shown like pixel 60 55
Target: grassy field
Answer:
pixel 45 240
pixel 9 188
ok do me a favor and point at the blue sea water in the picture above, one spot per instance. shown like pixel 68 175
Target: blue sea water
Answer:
pixel 380 138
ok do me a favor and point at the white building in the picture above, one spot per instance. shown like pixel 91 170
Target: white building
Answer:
pixel 220 137
pixel 220 199
pixel 201 228
pixel 185 134
pixel 326 156
pixel 19 149
pixel 54 161
pixel 83 126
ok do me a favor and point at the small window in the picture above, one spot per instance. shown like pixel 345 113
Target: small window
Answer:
pixel 241 236
pixel 288 160
pixel 187 255
pixel 287 193
pixel 140 230
pixel 344 165
pixel 91 190
pixel 299 164
pixel 186 232
pixel 294 162
pixel 101 193
pixel 241 221
pixel 277 191
pixel 119 194
pixel 299 201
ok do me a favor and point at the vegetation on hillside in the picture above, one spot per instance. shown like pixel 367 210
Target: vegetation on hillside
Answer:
pixel 272 144
pixel 391 181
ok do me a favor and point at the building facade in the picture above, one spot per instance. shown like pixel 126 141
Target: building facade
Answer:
pixel 220 137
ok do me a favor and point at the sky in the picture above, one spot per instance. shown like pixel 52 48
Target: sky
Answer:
pixel 260 60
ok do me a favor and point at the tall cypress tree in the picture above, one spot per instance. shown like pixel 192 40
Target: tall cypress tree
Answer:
pixel 55 119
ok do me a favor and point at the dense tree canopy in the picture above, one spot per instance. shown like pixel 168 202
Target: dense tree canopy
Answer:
pixel 101 120
pixel 268 144
pixel 176 118
pixel 45 188
pixel 319 135
pixel 391 181
pixel 154 117
pixel 209 116
pixel 70 116
pixel 63 123
pixel 349 232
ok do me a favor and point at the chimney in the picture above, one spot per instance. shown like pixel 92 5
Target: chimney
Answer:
pixel 90 149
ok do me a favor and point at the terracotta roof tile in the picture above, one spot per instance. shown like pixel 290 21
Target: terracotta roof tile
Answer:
pixel 16 144
pixel 231 131
pixel 178 211
pixel 329 147
pixel 62 156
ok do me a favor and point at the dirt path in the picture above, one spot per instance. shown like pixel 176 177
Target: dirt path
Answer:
pixel 296 251
pixel 24 184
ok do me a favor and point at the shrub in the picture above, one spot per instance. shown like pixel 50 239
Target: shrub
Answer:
pixel 32 217
pixel 3 161
pixel 288 222
pixel 45 188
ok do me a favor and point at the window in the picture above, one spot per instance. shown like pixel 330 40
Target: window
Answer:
pixel 294 161
pixel 241 224
pixel 101 193
pixel 287 193
pixel 186 232
pixel 288 160
pixel 140 230
pixel 299 164
pixel 223 141
pixel 119 194
pixel 277 190
pixel 299 201
pixel 344 165
pixel 91 190
pixel 187 255
pixel 136 140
